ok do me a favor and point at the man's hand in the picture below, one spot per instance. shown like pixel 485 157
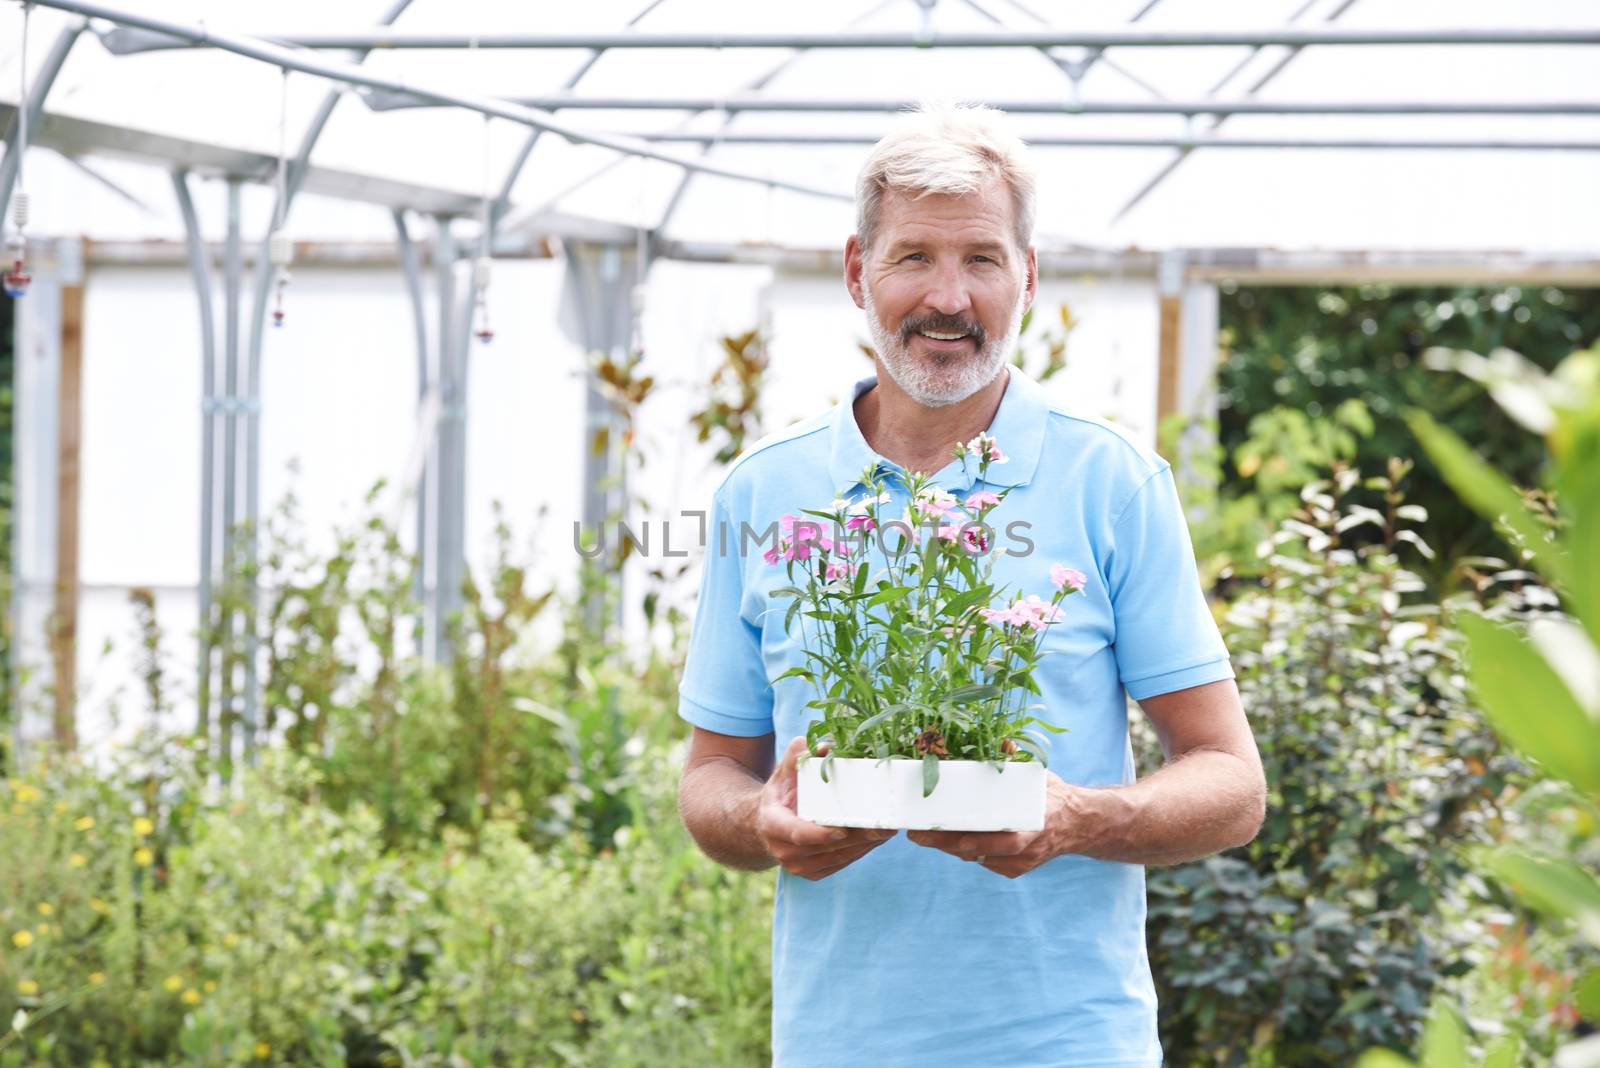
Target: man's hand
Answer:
pixel 1014 853
pixel 803 848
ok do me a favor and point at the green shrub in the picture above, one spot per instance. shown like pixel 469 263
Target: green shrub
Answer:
pixel 1324 935
pixel 266 929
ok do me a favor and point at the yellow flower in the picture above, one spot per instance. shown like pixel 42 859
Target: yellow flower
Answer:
pixel 191 996
pixel 83 823
pixel 263 1051
pixel 173 983
pixel 26 793
pixel 46 909
pixel 27 988
pixel 99 906
pixel 61 806
pixel 142 827
pixel 96 978
pixel 22 939
pixel 143 857
pixel 230 940
pixel 211 986
pixel 77 860
pixel 43 928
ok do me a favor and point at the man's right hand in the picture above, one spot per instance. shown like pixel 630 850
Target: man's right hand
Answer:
pixel 803 848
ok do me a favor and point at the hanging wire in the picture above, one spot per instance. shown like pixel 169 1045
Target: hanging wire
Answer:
pixel 16 280
pixel 280 248
pixel 482 267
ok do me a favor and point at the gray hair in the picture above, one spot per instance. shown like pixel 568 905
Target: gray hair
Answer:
pixel 946 148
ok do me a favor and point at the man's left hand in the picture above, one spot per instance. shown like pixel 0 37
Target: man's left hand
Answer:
pixel 1070 823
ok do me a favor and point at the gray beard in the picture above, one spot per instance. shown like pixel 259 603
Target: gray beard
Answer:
pixel 930 382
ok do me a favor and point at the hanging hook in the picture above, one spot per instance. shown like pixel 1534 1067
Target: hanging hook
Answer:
pixel 16 278
pixel 280 247
pixel 482 267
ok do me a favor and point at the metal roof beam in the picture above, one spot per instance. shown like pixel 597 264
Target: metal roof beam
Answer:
pixel 806 138
pixel 1010 38
pixel 570 102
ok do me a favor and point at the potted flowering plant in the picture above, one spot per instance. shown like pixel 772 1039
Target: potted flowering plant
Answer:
pixel 922 666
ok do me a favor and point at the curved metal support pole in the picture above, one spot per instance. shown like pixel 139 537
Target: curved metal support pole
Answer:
pixel 416 476
pixel 280 55
pixel 201 274
pixel 449 500
pixel 265 275
pixel 54 60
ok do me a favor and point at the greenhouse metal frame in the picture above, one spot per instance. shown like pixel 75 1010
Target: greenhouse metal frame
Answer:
pixel 606 260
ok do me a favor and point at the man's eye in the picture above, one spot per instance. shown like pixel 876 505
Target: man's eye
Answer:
pixel 913 255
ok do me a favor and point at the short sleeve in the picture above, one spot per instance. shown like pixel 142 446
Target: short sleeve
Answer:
pixel 1166 637
pixel 724 686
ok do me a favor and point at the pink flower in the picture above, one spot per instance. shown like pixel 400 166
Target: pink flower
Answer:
pixel 860 522
pixel 771 555
pixel 975 540
pixel 934 503
pixel 948 532
pixel 1067 578
pixel 840 571
pixel 1033 613
pixel 985 446
pixel 1037 613
pixel 982 499
pixel 1001 616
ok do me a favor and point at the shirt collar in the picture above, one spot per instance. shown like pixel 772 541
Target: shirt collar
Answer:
pixel 1018 428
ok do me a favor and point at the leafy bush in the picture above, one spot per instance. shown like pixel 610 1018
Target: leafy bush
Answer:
pixel 1323 936
pixel 247 926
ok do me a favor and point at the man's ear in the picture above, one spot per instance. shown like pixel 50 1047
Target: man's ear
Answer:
pixel 1031 282
pixel 852 270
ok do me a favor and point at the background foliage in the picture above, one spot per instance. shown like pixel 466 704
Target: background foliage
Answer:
pixel 1312 349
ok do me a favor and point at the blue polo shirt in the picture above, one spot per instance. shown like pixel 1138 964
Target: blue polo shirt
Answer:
pixel 910 956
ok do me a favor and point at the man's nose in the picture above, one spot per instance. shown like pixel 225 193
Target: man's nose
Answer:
pixel 948 294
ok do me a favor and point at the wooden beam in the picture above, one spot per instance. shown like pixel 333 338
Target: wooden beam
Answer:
pixel 1167 369
pixel 64 631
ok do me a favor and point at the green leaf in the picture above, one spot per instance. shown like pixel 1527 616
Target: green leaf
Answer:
pixel 1443 1044
pixel 1581 504
pixel 965 600
pixel 875 719
pixel 795 673
pixel 1530 705
pixel 893 593
pixel 973 693
pixel 1383 1058
pixel 930 773
pixel 1506 1053
pixel 1486 490
pixel 1588 995
pixel 1552 885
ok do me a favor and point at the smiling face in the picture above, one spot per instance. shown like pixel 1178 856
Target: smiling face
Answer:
pixel 944 285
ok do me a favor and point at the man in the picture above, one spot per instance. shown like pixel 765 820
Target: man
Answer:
pixel 965 948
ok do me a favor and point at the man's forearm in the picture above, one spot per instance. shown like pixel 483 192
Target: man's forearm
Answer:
pixel 1202 803
pixel 718 801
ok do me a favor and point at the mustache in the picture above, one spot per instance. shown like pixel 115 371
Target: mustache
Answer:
pixel 944 324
